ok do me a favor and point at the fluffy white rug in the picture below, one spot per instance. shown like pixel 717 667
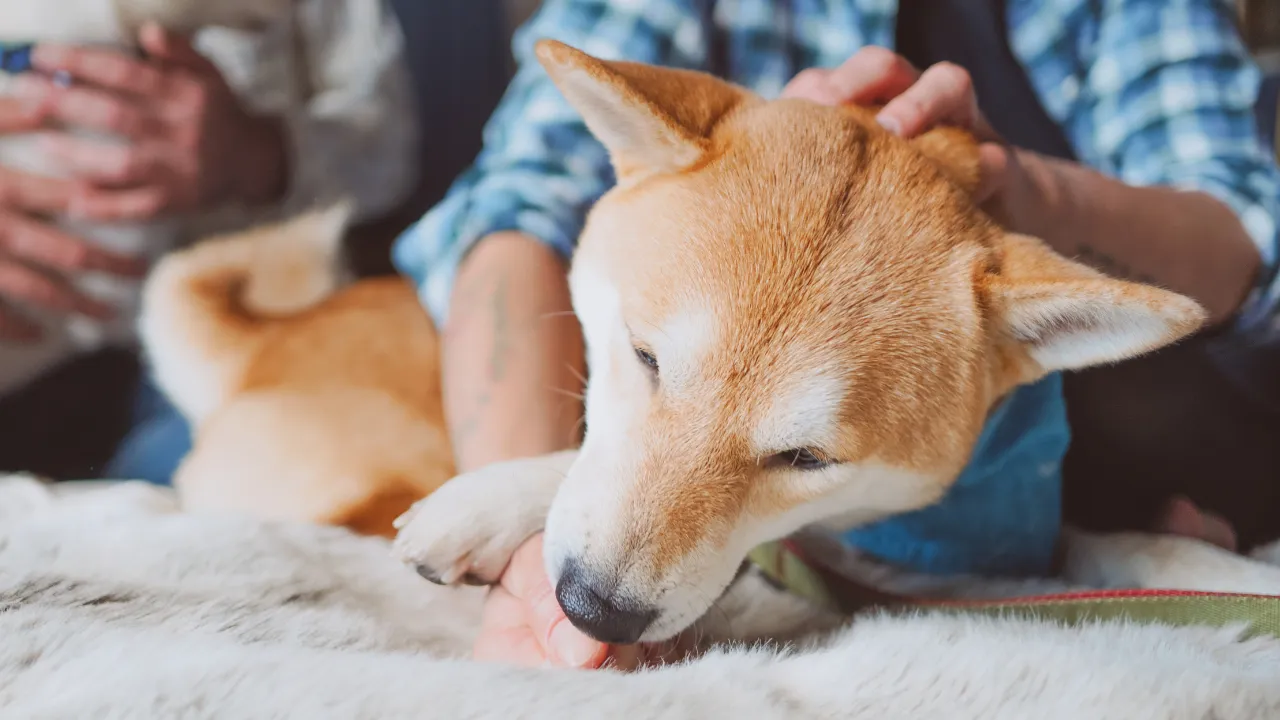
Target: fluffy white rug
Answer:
pixel 112 605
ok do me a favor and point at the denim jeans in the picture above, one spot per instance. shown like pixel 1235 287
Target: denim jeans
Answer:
pixel 156 444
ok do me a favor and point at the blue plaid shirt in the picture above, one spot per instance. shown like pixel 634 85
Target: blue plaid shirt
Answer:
pixel 1153 92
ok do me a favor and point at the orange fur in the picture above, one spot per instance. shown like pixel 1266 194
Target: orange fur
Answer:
pixel 325 408
pixel 804 279
pixel 821 252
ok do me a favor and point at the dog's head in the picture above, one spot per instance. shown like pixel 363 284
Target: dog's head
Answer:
pixel 791 316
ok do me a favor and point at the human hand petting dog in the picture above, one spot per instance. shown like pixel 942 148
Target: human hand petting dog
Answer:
pixel 913 102
pixel 34 255
pixel 190 146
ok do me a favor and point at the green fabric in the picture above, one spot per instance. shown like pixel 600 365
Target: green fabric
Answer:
pixel 789 571
pixel 1260 613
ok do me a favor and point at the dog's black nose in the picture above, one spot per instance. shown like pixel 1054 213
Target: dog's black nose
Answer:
pixel 599 613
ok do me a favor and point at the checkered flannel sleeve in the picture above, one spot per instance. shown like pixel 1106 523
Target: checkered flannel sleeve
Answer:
pixel 1169 99
pixel 540 169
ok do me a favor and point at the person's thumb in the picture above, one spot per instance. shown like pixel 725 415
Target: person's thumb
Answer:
pixel 572 648
pixel 171 48
pixel 993 164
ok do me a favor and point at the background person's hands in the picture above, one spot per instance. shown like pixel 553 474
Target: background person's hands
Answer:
pixel 35 257
pixel 913 102
pixel 190 145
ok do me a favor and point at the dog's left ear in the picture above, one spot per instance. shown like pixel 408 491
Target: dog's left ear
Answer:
pixel 652 120
pixel 1067 316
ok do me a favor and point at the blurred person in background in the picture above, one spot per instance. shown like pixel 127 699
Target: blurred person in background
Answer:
pixel 1123 134
pixel 227 128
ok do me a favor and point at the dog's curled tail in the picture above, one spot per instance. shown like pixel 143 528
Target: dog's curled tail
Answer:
pixel 204 309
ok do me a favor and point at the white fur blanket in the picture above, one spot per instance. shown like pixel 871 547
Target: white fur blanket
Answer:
pixel 112 605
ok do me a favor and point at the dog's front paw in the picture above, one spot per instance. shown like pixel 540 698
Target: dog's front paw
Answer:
pixel 468 529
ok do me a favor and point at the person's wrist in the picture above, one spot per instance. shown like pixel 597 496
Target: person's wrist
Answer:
pixel 1027 200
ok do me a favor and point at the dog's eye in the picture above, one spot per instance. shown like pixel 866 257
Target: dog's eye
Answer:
pixel 798 459
pixel 648 358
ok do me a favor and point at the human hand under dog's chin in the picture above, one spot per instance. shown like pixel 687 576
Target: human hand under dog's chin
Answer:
pixel 914 102
pixel 523 624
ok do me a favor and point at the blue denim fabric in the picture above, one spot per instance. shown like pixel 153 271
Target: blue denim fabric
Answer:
pixel 160 438
pixel 1004 513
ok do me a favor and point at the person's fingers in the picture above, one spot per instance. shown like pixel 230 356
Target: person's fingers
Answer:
pixel 993 168
pixel 505 635
pixel 39 244
pixel 1220 532
pixel 814 85
pixel 872 75
pixel 943 95
pixel 19 115
pixel 189 93
pixel 104 68
pixel 82 106
pixel 175 49
pixel 626 657
pixel 104 163
pixel 16 329
pixel 31 287
pixel 526 579
pixel 126 205
pixel 1183 517
pixel 34 193
pixel 525 575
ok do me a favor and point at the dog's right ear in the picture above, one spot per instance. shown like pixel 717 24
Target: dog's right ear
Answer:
pixel 652 120
pixel 1066 316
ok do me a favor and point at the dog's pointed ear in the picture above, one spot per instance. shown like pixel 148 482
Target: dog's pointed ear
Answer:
pixel 652 120
pixel 955 153
pixel 1068 316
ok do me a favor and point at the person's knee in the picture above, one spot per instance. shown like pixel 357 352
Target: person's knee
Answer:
pixel 153 451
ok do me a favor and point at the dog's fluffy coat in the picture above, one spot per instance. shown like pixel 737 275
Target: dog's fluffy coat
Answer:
pixel 307 400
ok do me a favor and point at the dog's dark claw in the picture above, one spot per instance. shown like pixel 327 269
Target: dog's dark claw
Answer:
pixel 471 579
pixel 428 574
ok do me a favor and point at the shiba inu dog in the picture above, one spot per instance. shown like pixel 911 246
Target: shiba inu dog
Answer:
pixel 308 400
pixel 793 319
pixel 109 24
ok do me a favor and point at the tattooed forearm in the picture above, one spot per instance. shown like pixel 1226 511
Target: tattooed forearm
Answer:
pixel 501 331
pixel 464 430
pixel 491 294
pixel 501 363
